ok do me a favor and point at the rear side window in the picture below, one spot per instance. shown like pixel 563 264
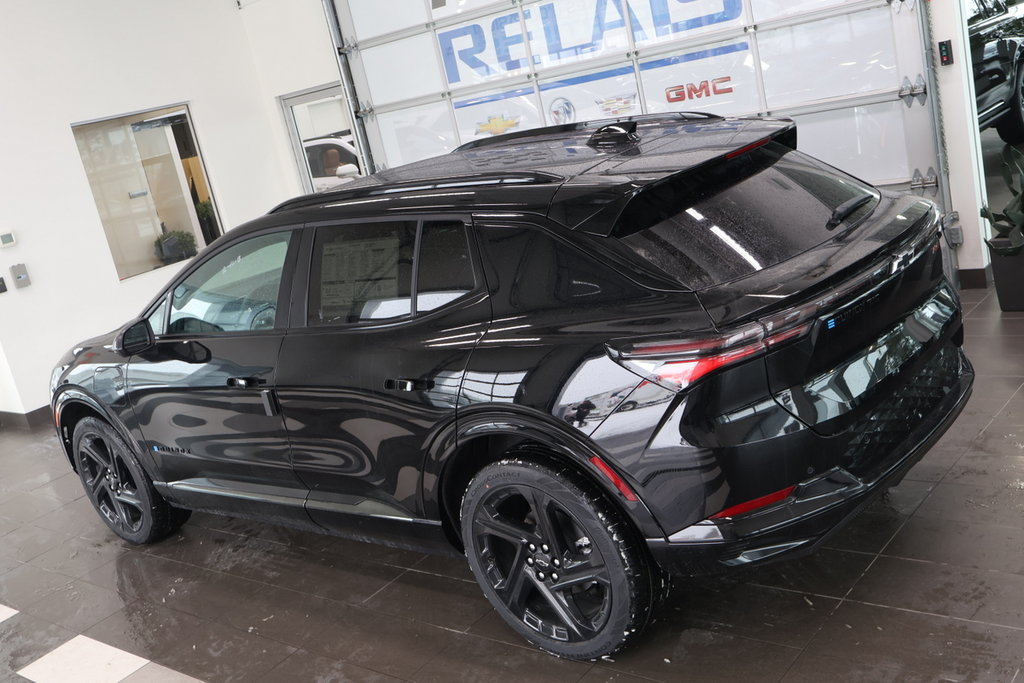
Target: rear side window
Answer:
pixel 445 270
pixel 740 217
pixel 366 272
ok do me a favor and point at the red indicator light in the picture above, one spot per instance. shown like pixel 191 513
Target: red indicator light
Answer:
pixel 748 148
pixel 754 504
pixel 615 479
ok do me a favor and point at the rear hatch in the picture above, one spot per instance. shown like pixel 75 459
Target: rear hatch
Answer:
pixel 846 282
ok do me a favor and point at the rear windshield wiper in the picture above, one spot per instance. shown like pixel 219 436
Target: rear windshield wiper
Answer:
pixel 843 211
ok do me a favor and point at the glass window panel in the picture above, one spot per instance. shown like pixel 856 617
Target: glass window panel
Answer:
pixel 416 133
pixel 658 21
pixel 853 53
pixel 234 291
pixel 442 9
pixel 594 95
pixel 574 30
pixel 445 269
pixel 739 217
pixel 370 21
pixel 322 125
pixel 401 70
pixel 503 112
pixel 868 142
pixel 361 273
pixel 763 10
pixel 719 79
pixel 483 50
pixel 150 188
pixel 158 317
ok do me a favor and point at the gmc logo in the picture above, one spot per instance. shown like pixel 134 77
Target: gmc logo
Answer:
pixel 716 86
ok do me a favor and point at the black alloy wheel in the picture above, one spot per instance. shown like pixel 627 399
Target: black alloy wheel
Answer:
pixel 1011 126
pixel 118 488
pixel 555 558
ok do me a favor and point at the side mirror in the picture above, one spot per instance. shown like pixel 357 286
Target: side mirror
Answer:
pixel 135 338
pixel 347 171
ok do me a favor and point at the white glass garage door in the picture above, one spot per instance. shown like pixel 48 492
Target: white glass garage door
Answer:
pixel 440 73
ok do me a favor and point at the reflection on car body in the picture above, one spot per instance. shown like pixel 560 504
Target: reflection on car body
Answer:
pixel 585 356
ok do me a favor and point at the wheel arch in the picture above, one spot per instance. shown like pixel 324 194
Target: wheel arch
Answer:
pixel 74 404
pixel 485 438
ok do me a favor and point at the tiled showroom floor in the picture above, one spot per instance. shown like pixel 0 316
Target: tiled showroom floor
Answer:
pixel 927 585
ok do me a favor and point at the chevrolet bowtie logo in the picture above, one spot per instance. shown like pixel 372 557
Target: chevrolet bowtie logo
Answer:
pixel 496 125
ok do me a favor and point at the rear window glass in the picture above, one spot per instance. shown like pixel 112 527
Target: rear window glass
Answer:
pixel 739 217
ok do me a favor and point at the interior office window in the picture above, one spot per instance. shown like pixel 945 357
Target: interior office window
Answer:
pixel 322 133
pixel 445 269
pixel 362 272
pixel 150 188
pixel 234 291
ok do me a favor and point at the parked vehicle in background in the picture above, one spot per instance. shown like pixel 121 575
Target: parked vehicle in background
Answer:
pixel 586 356
pixel 333 160
pixel 996 32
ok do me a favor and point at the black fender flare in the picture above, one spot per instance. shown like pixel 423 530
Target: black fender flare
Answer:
pixel 523 424
pixel 67 395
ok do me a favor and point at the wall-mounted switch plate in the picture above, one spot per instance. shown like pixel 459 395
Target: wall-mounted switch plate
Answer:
pixel 7 239
pixel 20 274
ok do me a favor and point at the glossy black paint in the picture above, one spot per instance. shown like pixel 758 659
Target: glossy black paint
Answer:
pixel 997 38
pixel 373 429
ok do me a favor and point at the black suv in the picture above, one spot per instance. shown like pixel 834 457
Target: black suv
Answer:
pixel 997 55
pixel 587 356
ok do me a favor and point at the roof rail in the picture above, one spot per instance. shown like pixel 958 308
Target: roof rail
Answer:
pixel 444 183
pixel 584 125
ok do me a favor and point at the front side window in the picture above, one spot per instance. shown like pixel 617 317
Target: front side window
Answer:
pixel 150 188
pixel 236 290
pixel 365 272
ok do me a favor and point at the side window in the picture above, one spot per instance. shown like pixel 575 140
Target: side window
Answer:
pixel 361 272
pixel 445 268
pixel 236 290
pixel 158 317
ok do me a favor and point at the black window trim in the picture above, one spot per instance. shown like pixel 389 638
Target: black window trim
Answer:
pixel 299 319
pixel 283 295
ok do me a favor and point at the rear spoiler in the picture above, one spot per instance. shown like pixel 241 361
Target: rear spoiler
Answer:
pixel 603 199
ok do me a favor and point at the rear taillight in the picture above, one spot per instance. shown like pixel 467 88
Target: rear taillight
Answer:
pixel 677 363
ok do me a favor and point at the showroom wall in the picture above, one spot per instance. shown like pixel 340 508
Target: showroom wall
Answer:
pixel 69 62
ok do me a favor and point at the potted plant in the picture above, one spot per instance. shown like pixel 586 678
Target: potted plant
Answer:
pixel 1007 245
pixel 175 245
pixel 207 220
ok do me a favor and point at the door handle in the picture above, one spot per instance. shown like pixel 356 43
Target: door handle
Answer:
pixel 245 382
pixel 405 384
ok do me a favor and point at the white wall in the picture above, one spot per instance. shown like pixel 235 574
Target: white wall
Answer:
pixel 9 399
pixel 960 129
pixel 69 62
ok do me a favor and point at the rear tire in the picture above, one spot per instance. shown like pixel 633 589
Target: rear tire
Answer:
pixel 118 488
pixel 1011 126
pixel 556 559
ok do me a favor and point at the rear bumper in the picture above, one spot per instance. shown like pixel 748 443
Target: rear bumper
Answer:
pixel 818 507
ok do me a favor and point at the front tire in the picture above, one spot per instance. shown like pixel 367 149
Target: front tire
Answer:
pixel 119 488
pixel 1011 126
pixel 555 559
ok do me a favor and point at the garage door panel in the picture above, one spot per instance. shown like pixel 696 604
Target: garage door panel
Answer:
pixel 504 112
pixel 867 141
pixel 833 57
pixel 717 78
pixel 417 73
pixel 415 133
pixel 590 95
